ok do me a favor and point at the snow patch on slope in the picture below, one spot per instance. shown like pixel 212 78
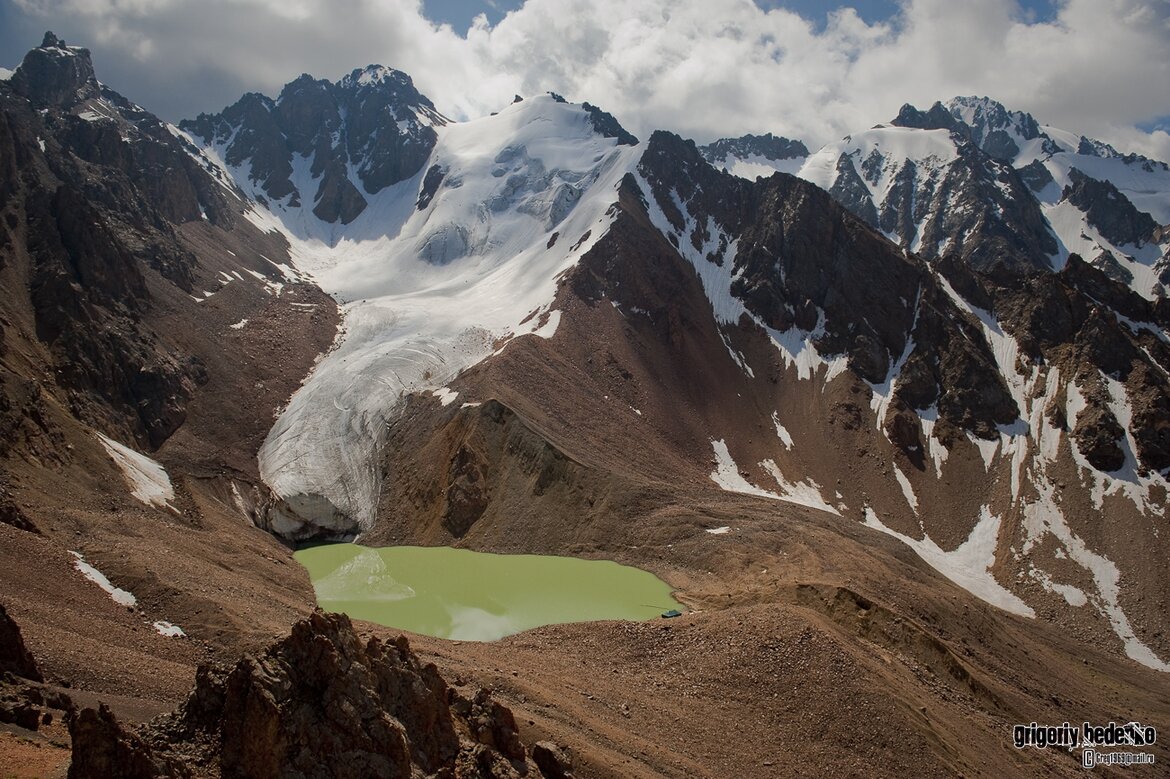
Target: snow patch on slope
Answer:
pixel 1043 516
pixel 927 417
pixel 119 596
pixel 782 432
pixel 1074 596
pixel 969 565
pixel 549 328
pixel 446 395
pixel 428 292
pixel 803 493
pixel 795 345
pixel 165 628
pixel 147 478
pixel 727 475
pixel 907 489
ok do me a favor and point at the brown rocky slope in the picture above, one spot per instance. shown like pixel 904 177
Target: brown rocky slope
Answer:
pixel 320 703
pixel 807 628
pixel 139 303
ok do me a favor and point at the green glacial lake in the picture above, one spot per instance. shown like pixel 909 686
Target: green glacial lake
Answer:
pixel 473 596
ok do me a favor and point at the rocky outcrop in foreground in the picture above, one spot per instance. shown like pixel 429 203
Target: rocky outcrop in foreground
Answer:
pixel 320 703
pixel 14 656
pixel 24 701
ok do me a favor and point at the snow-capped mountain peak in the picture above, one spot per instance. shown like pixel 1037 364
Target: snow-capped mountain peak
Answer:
pixel 323 147
pixel 440 269
pixel 376 74
pixel 973 178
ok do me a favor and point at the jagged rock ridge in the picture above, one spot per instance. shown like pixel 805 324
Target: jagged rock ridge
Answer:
pixel 86 207
pixel 1004 418
pixel 768 146
pixel 328 146
pixel 1016 341
pixel 319 703
pixel 753 155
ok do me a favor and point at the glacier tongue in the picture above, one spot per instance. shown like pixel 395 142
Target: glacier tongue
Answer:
pixel 429 291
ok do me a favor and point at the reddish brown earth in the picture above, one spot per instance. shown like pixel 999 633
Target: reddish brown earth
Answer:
pixel 813 646
pixel 26 758
pixel 817 644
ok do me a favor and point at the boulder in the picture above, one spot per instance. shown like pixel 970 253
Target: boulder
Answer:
pixel 14 655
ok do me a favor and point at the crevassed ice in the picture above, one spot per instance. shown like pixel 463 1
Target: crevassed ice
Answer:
pixel 427 293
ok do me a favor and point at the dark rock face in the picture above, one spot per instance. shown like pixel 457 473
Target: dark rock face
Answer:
pixel 373 120
pixel 1107 263
pixel 1109 210
pixel 1036 176
pixel 937 118
pixel 1101 343
pixel 430 186
pixel 389 125
pixel 14 656
pixel 607 126
pixel 55 74
pixel 977 208
pixel 27 704
pixel 984 122
pixel 1097 434
pixel 16 708
pixel 768 146
pixel 1151 417
pixel 77 247
pixel 24 701
pixel 850 191
pixel 490 723
pixel 551 760
pixel 993 229
pixel 904 431
pixel 979 223
pixel 319 703
pixel 952 366
pixel 802 261
pixel 102 747
pixel 1098 285
pixel 897 215
pixel 1093 148
pixel 487 432
pixel 87 290
pixel 1073 319
pixel 338 200
pixel 259 139
pixel 99 185
pixel 467 491
pixel 11 515
pixel 266 724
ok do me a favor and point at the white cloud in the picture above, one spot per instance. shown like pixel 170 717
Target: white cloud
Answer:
pixel 701 67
